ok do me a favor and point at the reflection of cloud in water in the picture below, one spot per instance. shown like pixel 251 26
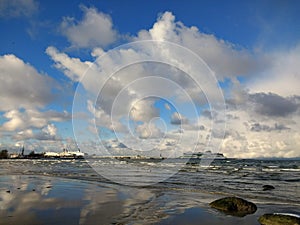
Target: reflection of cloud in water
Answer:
pixel 28 203
pixel 102 207
pixel 39 199
pixel 110 205
pixel 68 201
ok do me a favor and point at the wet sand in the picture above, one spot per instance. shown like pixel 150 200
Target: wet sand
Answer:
pixel 26 199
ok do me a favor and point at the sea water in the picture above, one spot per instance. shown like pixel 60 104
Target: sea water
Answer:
pixel 84 188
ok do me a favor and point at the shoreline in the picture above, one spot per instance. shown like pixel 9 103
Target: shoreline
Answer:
pixel 29 196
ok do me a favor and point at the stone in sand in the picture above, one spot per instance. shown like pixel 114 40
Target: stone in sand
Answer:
pixel 234 206
pixel 268 187
pixel 278 219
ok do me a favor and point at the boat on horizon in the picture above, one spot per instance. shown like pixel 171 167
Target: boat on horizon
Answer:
pixel 203 155
pixel 65 154
pixel 188 156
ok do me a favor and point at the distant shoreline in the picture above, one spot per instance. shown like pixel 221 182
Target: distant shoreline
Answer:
pixel 147 158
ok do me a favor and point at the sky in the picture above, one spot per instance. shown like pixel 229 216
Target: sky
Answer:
pixel 153 78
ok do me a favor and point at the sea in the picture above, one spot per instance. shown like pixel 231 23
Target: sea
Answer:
pixel 146 191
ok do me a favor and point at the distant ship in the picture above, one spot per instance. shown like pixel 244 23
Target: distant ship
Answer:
pixel 65 154
pixel 188 156
pixel 203 155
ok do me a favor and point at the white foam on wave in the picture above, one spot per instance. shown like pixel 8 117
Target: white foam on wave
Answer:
pixel 290 169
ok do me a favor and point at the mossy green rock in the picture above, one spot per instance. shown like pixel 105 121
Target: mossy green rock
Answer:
pixel 278 219
pixel 234 206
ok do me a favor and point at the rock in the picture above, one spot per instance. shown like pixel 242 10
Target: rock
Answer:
pixel 278 219
pixel 8 191
pixel 234 206
pixel 268 187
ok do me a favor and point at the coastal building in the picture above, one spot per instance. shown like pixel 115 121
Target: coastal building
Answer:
pixel 14 155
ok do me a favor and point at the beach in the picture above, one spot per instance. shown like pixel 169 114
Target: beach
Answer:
pixel 72 193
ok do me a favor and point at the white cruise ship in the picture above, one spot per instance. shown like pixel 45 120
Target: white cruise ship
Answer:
pixel 65 154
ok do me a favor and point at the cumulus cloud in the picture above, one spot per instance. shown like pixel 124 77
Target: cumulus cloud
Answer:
pixel 273 105
pixel 261 144
pixel 258 127
pixel 144 110
pixel 282 72
pixel 148 130
pixel 25 95
pixel 257 112
pixel 225 59
pixel 47 133
pixel 262 127
pixel 94 30
pixel 18 8
pixel 22 85
pixel 130 98
pixel 102 119
pixel 17 120
pixel 72 67
pixel 178 119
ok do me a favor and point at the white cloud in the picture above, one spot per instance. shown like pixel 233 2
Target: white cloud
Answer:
pixel 148 130
pixel 18 120
pixel 72 67
pixel 23 135
pixel 94 30
pixel 18 8
pixel 253 118
pixel 248 144
pixel 126 87
pixel 143 110
pixel 102 119
pixel 25 95
pixel 47 133
pixel 22 86
pixel 50 130
pixel 271 130
pixel 225 59
pixel 167 106
pixel 282 77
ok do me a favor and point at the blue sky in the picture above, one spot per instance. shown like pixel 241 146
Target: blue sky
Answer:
pixel 251 48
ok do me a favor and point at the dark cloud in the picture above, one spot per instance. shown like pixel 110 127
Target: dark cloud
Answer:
pixel 201 127
pixel 178 119
pixel 273 105
pixel 207 113
pixel 232 117
pixel 45 137
pixel 258 127
pixel 216 133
